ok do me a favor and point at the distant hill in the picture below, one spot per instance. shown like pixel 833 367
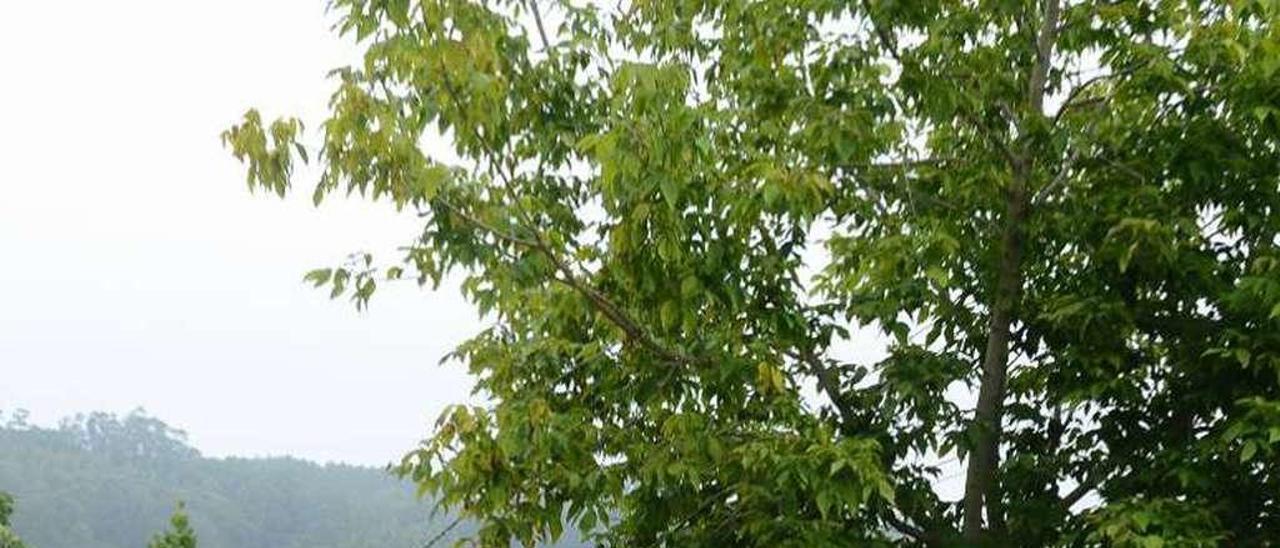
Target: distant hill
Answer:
pixel 100 481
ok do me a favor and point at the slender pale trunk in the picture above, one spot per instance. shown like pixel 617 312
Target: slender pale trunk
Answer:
pixel 984 460
pixel 985 457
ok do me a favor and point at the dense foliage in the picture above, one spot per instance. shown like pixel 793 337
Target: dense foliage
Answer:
pixel 8 539
pixel 1062 215
pixel 101 481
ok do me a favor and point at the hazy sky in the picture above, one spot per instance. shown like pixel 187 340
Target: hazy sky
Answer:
pixel 135 268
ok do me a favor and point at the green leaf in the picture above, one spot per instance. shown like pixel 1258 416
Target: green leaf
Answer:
pixel 669 314
pixel 690 286
pixel 1247 452
pixel 319 276
pixel 670 193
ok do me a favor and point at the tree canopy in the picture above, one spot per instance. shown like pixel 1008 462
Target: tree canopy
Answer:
pixel 179 534
pixel 1062 217
pixel 8 539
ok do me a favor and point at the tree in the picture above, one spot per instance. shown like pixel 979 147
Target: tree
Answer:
pixel 8 539
pixel 179 535
pixel 135 436
pixel 1062 216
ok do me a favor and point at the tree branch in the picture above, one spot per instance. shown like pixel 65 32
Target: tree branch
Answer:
pixel 886 40
pixel 888 44
pixel 478 223
pixel 1072 101
pixel 904 164
pixel 440 536
pixel 906 528
pixel 698 512
pixel 631 329
pixel 1085 487
pixel 829 382
pixel 537 19
pixel 567 277
pixel 1061 177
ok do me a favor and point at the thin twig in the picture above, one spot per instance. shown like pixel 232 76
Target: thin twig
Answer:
pixel 699 511
pixel 886 40
pixel 1071 101
pixel 906 528
pixel 439 536
pixel 1061 177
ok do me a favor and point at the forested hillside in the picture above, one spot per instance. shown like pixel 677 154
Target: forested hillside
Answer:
pixel 101 481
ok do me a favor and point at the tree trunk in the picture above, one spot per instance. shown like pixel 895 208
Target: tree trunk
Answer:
pixel 985 456
pixel 984 460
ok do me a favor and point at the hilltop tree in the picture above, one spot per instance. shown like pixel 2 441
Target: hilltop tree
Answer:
pixel 1061 215
pixel 136 436
pixel 179 534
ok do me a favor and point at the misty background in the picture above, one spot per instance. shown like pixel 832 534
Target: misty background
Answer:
pixel 137 271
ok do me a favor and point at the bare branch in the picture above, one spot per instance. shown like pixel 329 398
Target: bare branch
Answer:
pixel 537 19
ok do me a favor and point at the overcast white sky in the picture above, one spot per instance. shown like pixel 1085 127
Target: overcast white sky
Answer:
pixel 135 268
